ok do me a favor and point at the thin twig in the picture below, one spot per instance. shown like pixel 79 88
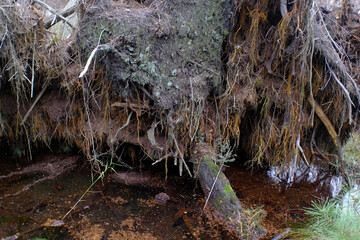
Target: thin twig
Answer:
pixel 125 125
pixel 3 38
pixel 92 55
pixel 33 68
pixel 213 185
pixel 181 156
pixel 310 72
pixel 346 93
pixel 35 102
pixel 301 150
pixel 160 159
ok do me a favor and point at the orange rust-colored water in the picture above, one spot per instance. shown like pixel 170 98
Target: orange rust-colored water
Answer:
pixel 283 206
pixel 121 207
pixel 124 206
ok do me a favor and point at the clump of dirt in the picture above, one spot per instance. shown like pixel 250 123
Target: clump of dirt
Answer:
pixel 172 46
pixel 119 200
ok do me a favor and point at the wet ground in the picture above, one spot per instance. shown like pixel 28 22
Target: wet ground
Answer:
pixel 118 207
pixel 283 205
pixel 127 205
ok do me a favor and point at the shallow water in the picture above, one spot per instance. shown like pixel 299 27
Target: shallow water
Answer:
pixel 284 205
pixel 110 210
pixel 124 206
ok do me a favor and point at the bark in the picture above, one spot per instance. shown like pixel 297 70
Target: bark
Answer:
pixel 221 197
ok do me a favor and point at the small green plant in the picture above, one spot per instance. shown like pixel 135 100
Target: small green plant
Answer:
pixel 250 222
pixel 334 219
pixel 224 154
pixel 108 166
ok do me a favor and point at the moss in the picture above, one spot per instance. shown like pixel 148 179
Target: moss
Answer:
pixel 213 167
pixel 182 40
pixel 221 203
pixel 228 190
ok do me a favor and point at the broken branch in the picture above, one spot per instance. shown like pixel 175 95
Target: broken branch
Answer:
pixel 54 12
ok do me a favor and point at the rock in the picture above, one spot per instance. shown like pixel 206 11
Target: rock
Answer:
pixel 162 197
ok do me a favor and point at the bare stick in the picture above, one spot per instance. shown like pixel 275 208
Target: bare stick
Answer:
pixel 127 123
pixel 3 38
pixel 25 188
pixel 181 156
pixel 346 93
pixel 300 149
pixel 33 105
pixel 160 159
pixel 212 187
pixel 33 68
pixel 92 55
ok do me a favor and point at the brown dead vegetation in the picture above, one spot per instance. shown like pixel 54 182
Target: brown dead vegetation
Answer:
pixel 290 86
pixel 297 73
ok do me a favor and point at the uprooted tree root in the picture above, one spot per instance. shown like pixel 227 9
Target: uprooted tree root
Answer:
pixel 297 76
pixel 288 77
pixel 290 85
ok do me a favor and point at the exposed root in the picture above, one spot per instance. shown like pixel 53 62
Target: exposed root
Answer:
pixel 52 168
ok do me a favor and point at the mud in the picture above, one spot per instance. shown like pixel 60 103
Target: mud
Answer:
pixel 172 47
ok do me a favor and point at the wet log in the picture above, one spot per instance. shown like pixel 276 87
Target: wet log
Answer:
pixel 221 198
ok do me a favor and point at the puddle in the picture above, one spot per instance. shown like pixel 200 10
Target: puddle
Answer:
pixel 133 205
pixel 284 205
pixel 140 206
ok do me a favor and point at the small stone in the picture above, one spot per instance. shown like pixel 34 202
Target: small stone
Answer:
pixel 57 223
pixel 162 197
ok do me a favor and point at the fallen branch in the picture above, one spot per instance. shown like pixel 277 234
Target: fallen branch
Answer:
pixel 53 168
pixel 54 12
pixel 64 13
